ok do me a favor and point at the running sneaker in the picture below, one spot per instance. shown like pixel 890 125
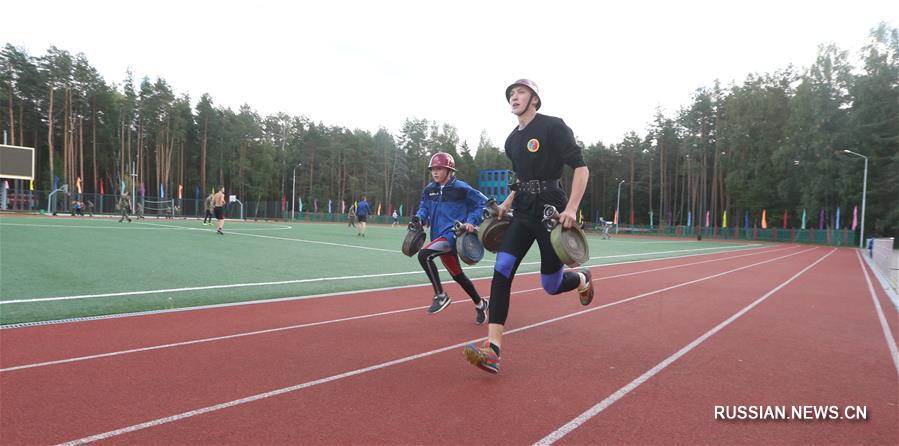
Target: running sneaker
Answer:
pixel 440 302
pixel 482 357
pixel 481 312
pixel 586 293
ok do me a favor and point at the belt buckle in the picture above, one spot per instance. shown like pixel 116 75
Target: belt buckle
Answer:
pixel 534 186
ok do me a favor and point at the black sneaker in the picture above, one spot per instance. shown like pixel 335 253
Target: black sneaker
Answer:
pixel 481 312
pixel 219 232
pixel 441 301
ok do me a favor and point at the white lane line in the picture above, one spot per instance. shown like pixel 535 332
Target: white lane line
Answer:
pixel 891 343
pixel 326 279
pixel 622 392
pixel 315 242
pixel 130 227
pixel 260 396
pixel 313 324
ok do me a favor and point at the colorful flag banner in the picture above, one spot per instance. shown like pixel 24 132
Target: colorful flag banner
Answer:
pixel 101 187
pixel 161 192
pixel 785 219
pixel 855 217
pixel 746 219
pixel 689 218
pixel 803 218
pixel 615 219
pixel 56 182
pixel 142 190
pixel 78 184
pixel 764 219
pixel 315 204
pixel 708 215
pixel 401 209
pixel 379 208
pixel 180 192
pixel 31 185
pixel 122 188
pixel 724 219
pixel 283 203
pixel 821 219
pixel 837 222
pixel 301 204
pixel 632 216
pixel 343 206
pixel 329 206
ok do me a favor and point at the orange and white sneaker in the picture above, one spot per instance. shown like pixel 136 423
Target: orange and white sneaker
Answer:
pixel 586 293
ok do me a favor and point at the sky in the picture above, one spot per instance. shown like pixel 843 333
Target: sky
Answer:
pixel 604 67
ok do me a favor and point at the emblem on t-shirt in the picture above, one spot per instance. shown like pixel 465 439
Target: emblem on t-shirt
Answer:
pixel 533 145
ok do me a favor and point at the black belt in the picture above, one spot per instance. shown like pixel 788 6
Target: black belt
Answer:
pixel 535 186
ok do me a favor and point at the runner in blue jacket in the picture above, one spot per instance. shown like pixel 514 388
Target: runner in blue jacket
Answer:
pixel 445 201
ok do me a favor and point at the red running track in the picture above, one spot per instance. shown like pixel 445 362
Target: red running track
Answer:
pixel 816 340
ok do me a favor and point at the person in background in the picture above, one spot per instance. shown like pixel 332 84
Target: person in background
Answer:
pixel 362 211
pixel 218 204
pixel 208 217
pixel 124 205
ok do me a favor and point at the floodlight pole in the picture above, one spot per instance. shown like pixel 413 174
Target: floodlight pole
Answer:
pixel 133 180
pixel 293 195
pixel 618 208
pixel 861 241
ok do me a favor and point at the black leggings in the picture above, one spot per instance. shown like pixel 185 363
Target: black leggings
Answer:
pixel 442 248
pixel 519 236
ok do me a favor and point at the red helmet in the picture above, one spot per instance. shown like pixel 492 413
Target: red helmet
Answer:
pixel 442 159
pixel 525 83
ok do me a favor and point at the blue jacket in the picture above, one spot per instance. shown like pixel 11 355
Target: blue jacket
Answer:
pixel 363 209
pixel 442 207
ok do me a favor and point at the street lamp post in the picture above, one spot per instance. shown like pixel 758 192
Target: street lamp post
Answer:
pixel 293 195
pixel 618 208
pixel 861 241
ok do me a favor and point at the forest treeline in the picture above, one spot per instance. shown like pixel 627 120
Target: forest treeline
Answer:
pixel 775 141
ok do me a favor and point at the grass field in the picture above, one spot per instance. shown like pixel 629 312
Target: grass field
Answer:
pixel 55 268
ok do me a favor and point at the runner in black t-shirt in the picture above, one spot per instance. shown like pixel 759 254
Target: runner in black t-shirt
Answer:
pixel 539 149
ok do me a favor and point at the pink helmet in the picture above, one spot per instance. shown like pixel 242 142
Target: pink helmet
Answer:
pixel 525 83
pixel 442 159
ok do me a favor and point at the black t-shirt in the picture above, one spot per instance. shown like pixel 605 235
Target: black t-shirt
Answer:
pixel 539 152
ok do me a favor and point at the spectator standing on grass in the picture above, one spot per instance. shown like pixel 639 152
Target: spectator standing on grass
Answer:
pixel 218 204
pixel 124 206
pixel 208 217
pixel 362 211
